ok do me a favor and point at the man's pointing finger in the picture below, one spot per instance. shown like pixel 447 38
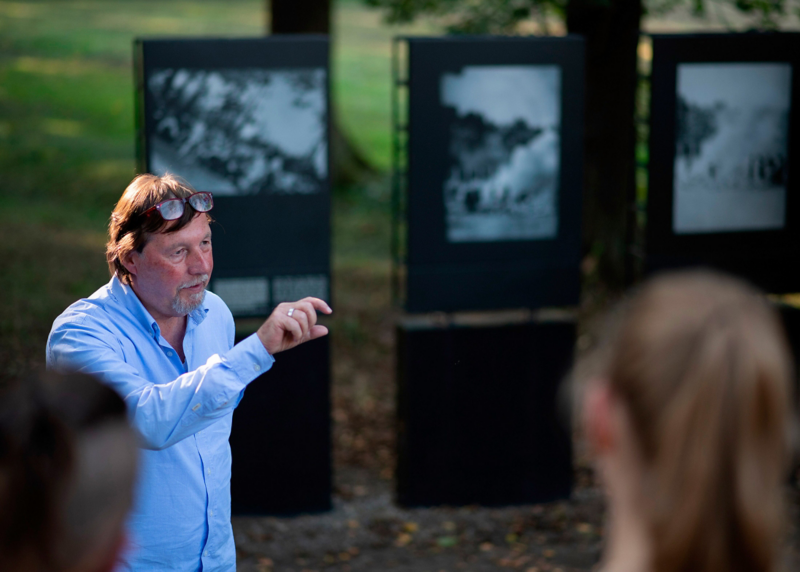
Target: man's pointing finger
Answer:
pixel 320 305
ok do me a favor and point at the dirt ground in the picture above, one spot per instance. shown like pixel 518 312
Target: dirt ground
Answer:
pixel 367 531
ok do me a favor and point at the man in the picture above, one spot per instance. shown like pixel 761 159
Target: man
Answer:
pixel 166 345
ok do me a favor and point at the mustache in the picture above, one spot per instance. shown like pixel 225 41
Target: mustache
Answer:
pixel 203 279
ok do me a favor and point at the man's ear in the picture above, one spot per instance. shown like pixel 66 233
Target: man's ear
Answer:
pixel 130 261
pixel 598 413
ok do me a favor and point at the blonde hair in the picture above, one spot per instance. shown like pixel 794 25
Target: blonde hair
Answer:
pixel 129 229
pixel 700 364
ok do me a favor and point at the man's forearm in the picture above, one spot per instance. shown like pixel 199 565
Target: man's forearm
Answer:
pixel 165 413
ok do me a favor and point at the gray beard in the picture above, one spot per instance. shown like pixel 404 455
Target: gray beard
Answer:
pixel 185 308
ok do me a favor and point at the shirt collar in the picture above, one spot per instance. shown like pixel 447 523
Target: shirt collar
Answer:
pixel 125 295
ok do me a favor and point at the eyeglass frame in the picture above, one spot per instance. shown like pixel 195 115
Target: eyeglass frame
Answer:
pixel 183 201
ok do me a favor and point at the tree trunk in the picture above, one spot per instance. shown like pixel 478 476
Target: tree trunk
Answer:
pixel 300 16
pixel 611 29
pixel 314 17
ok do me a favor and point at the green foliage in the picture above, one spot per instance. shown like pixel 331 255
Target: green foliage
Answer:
pixel 472 16
pixel 768 10
pixel 504 16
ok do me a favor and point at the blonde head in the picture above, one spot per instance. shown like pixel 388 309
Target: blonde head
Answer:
pixel 699 363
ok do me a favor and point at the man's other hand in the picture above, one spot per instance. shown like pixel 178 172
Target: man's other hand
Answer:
pixel 293 323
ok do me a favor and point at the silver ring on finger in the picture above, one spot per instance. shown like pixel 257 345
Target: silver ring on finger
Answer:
pixel 290 312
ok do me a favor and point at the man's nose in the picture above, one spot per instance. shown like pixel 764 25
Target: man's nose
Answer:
pixel 201 263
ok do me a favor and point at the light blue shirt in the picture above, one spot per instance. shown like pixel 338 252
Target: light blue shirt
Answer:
pixel 181 518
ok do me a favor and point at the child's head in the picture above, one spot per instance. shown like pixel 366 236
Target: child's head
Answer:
pixel 690 404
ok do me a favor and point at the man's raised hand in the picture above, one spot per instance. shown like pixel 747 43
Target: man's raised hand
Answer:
pixel 291 324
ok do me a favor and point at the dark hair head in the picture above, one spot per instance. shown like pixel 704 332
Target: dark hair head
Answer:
pixel 129 227
pixel 67 467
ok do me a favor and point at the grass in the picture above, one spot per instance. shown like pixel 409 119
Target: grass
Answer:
pixel 67 143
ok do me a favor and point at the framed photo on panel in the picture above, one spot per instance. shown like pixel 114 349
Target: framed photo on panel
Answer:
pixel 248 120
pixel 723 156
pixel 495 172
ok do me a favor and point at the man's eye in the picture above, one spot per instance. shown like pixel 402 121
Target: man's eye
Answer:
pixel 178 252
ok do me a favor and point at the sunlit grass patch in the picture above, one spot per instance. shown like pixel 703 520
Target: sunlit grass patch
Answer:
pixel 19 10
pixel 55 66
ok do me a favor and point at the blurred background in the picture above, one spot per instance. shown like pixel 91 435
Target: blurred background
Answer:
pixel 67 152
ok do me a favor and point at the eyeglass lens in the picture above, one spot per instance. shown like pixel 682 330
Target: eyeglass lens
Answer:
pixel 172 209
pixel 201 202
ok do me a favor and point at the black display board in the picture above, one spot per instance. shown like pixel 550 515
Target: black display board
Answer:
pixel 492 208
pixel 723 178
pixel 248 120
pixel 281 440
pixel 478 417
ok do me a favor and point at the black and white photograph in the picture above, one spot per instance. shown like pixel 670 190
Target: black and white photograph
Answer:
pixel 241 131
pixel 731 155
pixel 504 152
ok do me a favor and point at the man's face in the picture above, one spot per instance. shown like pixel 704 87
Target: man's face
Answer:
pixel 171 273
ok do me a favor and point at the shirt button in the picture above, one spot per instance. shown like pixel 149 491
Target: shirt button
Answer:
pixel 208 471
pixel 169 354
pixel 256 367
pixel 210 513
pixel 205 553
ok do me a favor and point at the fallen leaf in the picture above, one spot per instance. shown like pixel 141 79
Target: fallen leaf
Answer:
pixel 411 527
pixel 447 541
pixel 264 564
